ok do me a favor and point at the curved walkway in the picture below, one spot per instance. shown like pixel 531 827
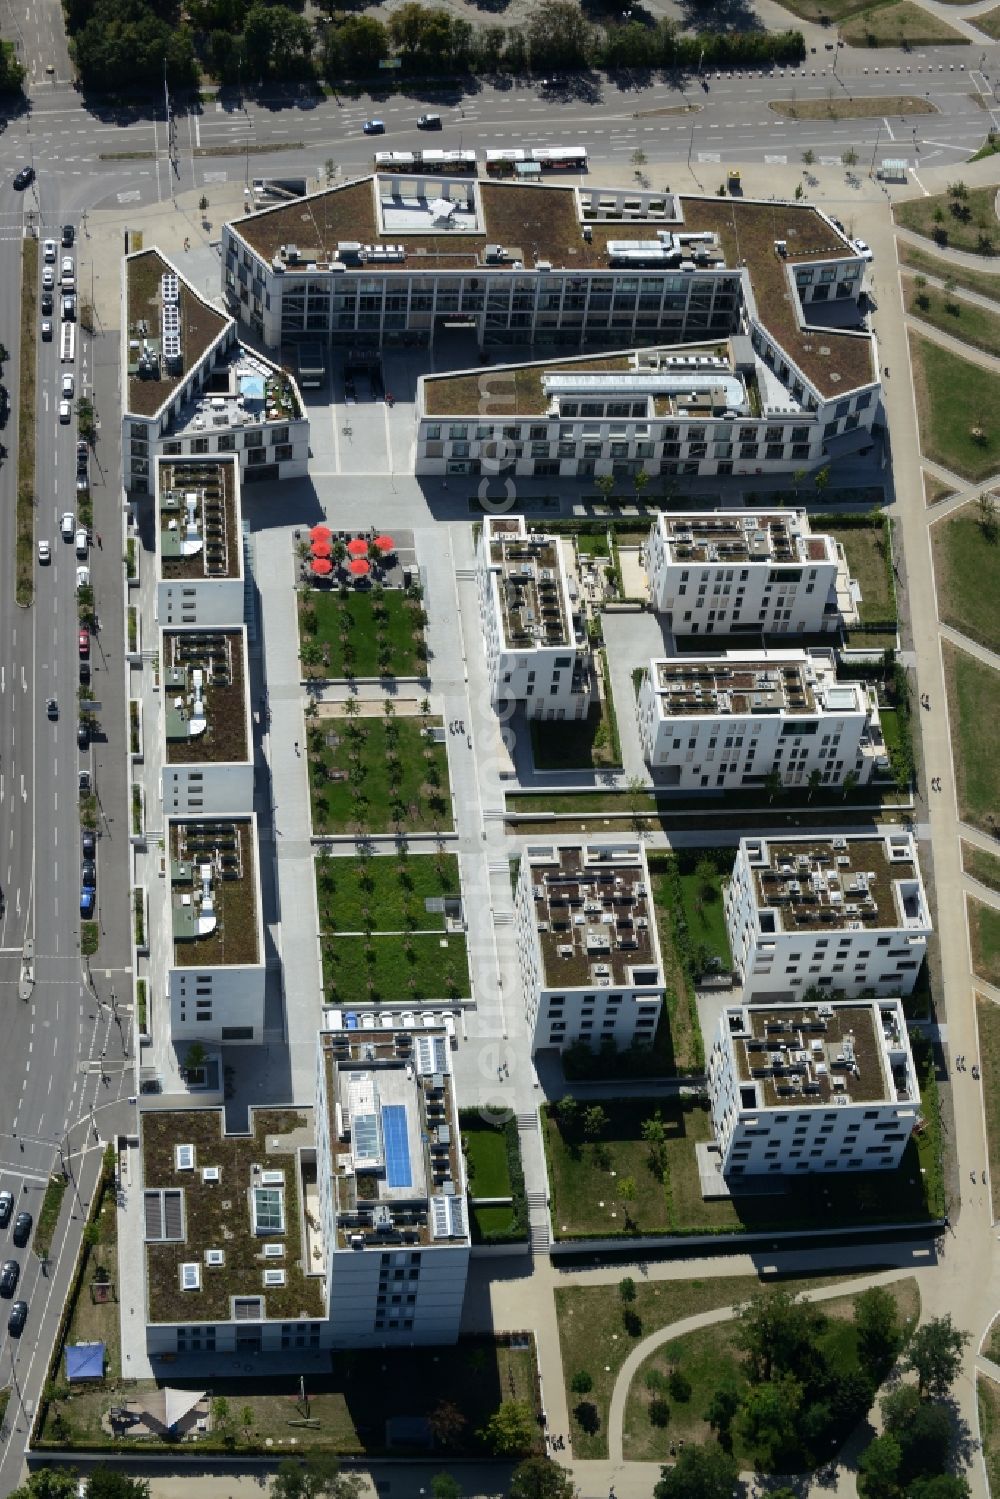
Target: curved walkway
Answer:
pixel 642 1350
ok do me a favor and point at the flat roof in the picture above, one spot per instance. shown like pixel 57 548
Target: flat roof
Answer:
pixel 213 892
pixel 829 884
pixel 395 1142
pixel 744 685
pixel 594 917
pixel 198 519
pixel 204 674
pixel 542 223
pixel 727 537
pixel 809 1056
pixel 531 588
pixel 243 391
pixel 200 324
pixel 188 1217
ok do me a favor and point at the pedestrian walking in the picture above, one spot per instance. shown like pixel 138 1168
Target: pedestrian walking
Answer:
pixel 100 541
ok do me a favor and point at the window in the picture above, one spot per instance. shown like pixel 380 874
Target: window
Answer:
pixel 268 1210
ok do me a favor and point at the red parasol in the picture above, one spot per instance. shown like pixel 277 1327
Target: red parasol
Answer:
pixel 322 566
pixel 359 567
pixel 385 543
pixel 357 548
pixel 320 533
pixel 321 548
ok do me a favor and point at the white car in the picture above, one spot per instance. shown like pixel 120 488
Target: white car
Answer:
pixel 65 412
pixel 68 269
pixel 48 278
pixel 68 525
pixel 863 249
pixel 44 552
pixel 83 577
pixel 68 386
pixel 82 543
pixel 49 251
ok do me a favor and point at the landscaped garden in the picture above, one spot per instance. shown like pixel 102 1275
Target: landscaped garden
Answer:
pixel 963 218
pixel 376 633
pixel 867 543
pixel 985 284
pixel 974 711
pixel 493 1165
pixel 981 865
pixel 395 968
pixel 589 743
pixel 374 774
pixel 984 940
pixel 966 569
pixel 988 1397
pixel 957 406
pixel 384 894
pixel 952 314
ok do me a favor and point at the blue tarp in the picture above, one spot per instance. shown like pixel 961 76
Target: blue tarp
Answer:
pixel 85 1361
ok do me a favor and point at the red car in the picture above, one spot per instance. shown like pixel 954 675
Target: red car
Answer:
pixel 84 643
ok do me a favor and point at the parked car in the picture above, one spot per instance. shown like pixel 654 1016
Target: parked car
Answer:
pixel 374 127
pixel 49 251
pixel 6 1208
pixel 48 278
pixel 88 874
pixel 82 542
pixel 47 302
pixel 84 673
pixel 68 525
pixel 69 309
pixel 83 733
pixel 88 844
pixel 10 1274
pixel 82 577
pixel 44 552
pixel 68 234
pixel 84 642
pixel 68 268
pixel 24 178
pixel 21 1231
pixel 88 899
pixel 82 456
pixel 863 249
pixel 46 332
pixel 18 1317
pixel 68 387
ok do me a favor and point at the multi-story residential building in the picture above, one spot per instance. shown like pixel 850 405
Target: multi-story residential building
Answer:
pixel 216 970
pixel 732 572
pixel 806 1088
pixel 199 544
pixel 391 1179
pixel 690 410
pixel 536 649
pixel 587 945
pixel 208 750
pixel 848 915
pixel 224 1236
pixel 191 389
pixel 715 722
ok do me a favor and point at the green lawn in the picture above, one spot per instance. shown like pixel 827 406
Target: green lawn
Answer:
pixel 990 23
pixel 593 1339
pixel 710 1358
pixel 988 1397
pixel 394 970
pixel 384 894
pixel 968 223
pixel 958 409
pixel 901 24
pixel 349 1405
pixel 356 787
pixel 966 572
pixel 823 11
pixel 984 939
pixel 974 711
pixel 922 261
pixel 988 1025
pixel 865 549
pixel 934 490
pixel 361 634
pixel 587 744
pixel 982 866
pixel 954 315
pixel 705 917
pixel 486 1159
pixel 687 1050
pixel 584 1177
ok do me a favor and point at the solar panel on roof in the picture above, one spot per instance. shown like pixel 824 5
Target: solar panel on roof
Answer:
pixel 398 1171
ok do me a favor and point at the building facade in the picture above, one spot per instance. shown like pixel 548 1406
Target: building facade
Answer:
pixel 392 1190
pixel 844 915
pixel 587 943
pixel 536 649
pixel 733 720
pixel 731 572
pixel 800 1089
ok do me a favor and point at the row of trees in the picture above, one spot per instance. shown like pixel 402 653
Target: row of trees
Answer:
pixel 119 44
pixel 11 71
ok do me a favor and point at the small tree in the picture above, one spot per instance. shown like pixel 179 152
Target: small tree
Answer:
pixel 510 1430
pixel 626 1194
pixel 626 1290
pixel 606 484
pixel 809 156
pixel 595 1122
pixel 920 285
pixel 935 1355
pixel 446 1423
pixel 581 1383
pixel 567 1111
pixel 879 1334
pixel 772 784
pixel 658 1411
pixel 540 1478
pixel 821 479
pixel 850 157
pixel 679 1385
pixel 988 517
pixel 815 782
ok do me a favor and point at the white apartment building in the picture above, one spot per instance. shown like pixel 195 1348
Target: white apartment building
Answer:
pixel 812 1088
pixel 191 389
pixel 732 572
pixel 207 755
pixel 392 1189
pixel 215 975
pixel 719 722
pixel 199 544
pixel 847 915
pixel 588 948
pixel 223 1235
pixel 536 649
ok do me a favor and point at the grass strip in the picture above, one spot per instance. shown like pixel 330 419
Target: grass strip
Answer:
pixel 988 1026
pixel 983 283
pixel 48 1215
pixel 953 315
pixel 852 109
pixel 25 574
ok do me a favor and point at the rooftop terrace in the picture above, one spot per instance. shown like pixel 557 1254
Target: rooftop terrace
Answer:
pixel 397 1163
pixel 737 536
pixel 244 390
pixel 595 920
pixel 153 374
pixel 532 591
pixel 747 686
pixel 543 223
pixel 199 525
pixel 213 897
pixel 813 1056
pixel 204 696
pixel 838 883
pixel 229 1206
